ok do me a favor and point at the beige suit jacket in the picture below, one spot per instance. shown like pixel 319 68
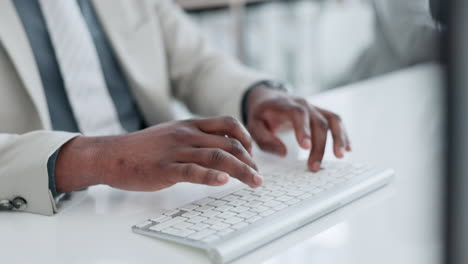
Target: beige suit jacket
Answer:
pixel 163 56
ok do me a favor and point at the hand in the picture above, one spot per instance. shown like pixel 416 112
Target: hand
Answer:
pixel 271 109
pixel 204 151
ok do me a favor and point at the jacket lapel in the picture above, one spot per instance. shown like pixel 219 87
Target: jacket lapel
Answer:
pixel 14 39
pixel 140 50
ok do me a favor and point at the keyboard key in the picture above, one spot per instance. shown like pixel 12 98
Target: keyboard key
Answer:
pixel 239 209
pixel 267 212
pixel 213 220
pixel 259 209
pixel 171 231
pixel 230 198
pixel 295 193
pixel 226 215
pixel 223 208
pixel 191 214
pixel 168 223
pixel 284 198
pixel 249 197
pixel 265 198
pixel 144 224
pixel 161 219
pixel 246 214
pixel 171 212
pixel 210 213
pixel 305 196
pixel 204 201
pixel 189 207
pixel 277 193
pixel 217 203
pixel 196 219
pixel 260 192
pixel 233 220
pixel 199 226
pixel 272 203
pixel 293 201
pixel 219 226
pixel 243 193
pixel 182 225
pixel 280 207
pixel 237 202
pixel 253 204
pixel 254 219
pixel 178 232
pixel 204 208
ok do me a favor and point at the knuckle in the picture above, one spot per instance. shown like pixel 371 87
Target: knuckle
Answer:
pixel 190 121
pixel 322 123
pixel 245 172
pixel 230 122
pixel 180 133
pixel 216 156
pixel 236 147
pixel 336 118
pixel 188 170
pixel 301 101
pixel 298 109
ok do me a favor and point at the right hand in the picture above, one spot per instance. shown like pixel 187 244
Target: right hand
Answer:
pixel 202 151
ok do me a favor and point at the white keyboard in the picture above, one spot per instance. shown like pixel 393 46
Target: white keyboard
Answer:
pixel 290 195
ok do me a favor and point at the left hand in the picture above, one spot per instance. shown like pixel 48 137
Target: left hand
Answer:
pixel 271 109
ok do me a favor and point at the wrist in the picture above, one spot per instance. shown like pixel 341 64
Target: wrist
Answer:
pixel 77 166
pixel 258 91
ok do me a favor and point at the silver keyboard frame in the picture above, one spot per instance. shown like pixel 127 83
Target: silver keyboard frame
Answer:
pixel 272 227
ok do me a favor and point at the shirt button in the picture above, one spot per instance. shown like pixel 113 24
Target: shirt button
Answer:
pixel 19 203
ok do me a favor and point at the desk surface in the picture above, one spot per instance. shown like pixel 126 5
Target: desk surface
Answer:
pixel 394 121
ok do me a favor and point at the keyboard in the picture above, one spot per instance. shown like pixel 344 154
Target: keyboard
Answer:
pixel 238 220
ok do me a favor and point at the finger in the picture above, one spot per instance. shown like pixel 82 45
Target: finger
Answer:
pixel 266 139
pixel 230 145
pixel 319 126
pixel 226 125
pixel 299 115
pixel 194 173
pixel 341 142
pixel 223 161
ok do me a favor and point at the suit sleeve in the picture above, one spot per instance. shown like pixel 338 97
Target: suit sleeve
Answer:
pixel 208 82
pixel 23 168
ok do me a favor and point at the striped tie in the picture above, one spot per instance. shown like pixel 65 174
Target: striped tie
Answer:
pixel 81 70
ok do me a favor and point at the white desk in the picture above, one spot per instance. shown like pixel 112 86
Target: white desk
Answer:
pixel 394 121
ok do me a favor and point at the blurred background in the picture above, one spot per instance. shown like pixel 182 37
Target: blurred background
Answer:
pixel 309 43
pixel 317 45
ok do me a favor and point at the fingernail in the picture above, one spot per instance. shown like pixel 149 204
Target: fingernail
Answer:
pixel 222 177
pixel 258 179
pixel 316 166
pixel 340 152
pixel 306 143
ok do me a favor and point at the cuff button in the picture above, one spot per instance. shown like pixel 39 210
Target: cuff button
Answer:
pixel 19 203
